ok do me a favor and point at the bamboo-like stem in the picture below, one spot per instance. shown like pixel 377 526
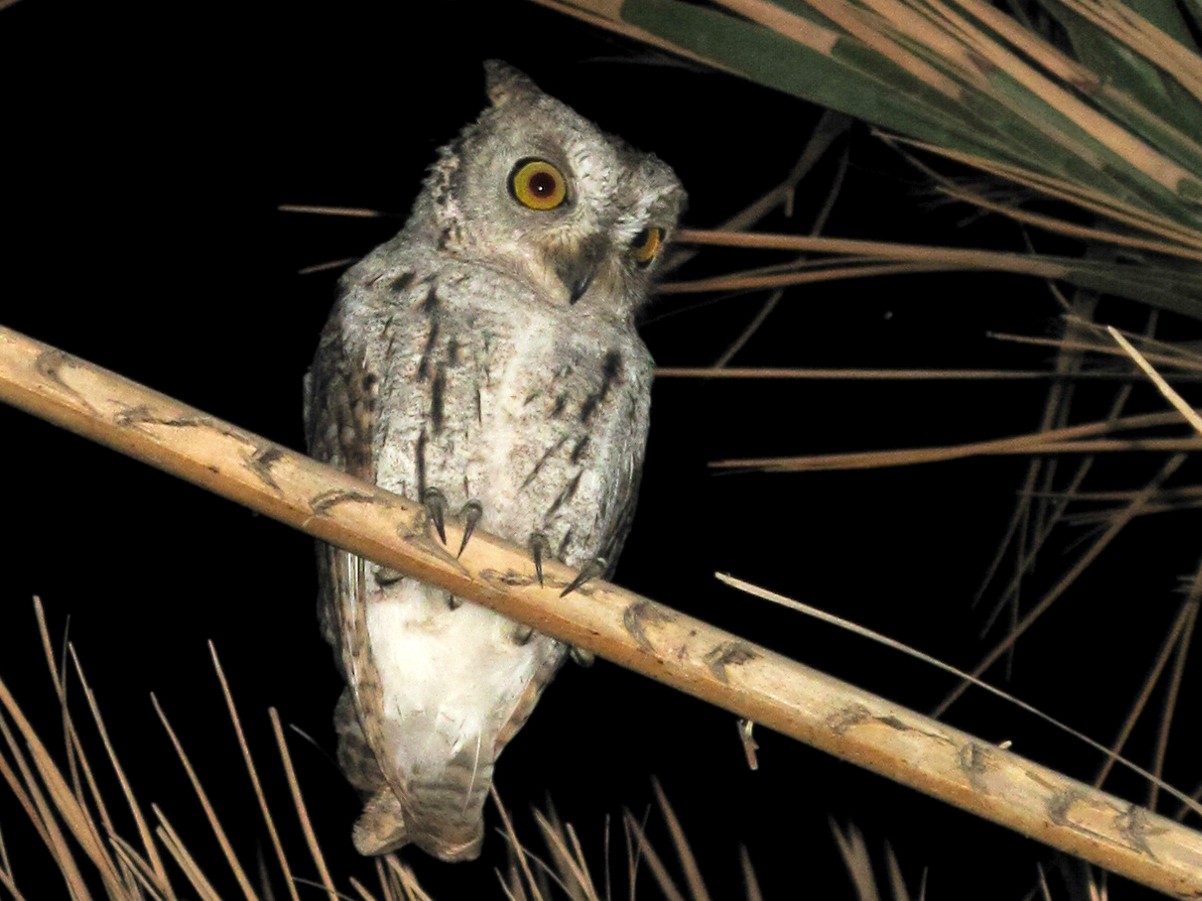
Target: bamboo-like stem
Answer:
pixel 630 630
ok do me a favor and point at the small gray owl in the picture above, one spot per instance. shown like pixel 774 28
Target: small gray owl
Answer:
pixel 485 361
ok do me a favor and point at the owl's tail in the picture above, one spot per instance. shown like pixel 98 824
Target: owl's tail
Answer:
pixel 439 808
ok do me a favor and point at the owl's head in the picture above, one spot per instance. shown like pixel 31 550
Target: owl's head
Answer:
pixel 533 189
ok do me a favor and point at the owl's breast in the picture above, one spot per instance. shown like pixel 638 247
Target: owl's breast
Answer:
pixel 538 415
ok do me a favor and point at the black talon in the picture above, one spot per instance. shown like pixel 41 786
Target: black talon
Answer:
pixel 582 657
pixel 590 570
pixel 453 602
pixel 539 546
pixel 436 509
pixel 471 513
pixel 521 633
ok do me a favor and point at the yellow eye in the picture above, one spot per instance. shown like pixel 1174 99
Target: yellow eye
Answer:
pixel 646 245
pixel 538 185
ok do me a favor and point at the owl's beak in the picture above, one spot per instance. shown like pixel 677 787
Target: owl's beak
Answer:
pixel 577 288
pixel 578 265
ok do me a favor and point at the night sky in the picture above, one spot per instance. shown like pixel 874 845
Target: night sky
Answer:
pixel 146 150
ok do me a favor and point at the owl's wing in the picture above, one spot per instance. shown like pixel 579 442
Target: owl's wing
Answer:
pixel 340 420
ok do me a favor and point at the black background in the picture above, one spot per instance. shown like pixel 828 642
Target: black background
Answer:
pixel 145 151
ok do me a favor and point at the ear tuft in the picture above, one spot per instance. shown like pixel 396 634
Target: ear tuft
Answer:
pixel 503 82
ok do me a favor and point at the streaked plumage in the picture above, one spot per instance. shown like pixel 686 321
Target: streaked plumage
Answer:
pixel 487 351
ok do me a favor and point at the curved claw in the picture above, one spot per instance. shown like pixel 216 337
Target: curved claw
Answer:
pixel 435 503
pixel 540 549
pixel 581 657
pixel 386 575
pixel 590 570
pixel 521 633
pixel 471 513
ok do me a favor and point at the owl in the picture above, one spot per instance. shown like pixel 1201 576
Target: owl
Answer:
pixel 485 361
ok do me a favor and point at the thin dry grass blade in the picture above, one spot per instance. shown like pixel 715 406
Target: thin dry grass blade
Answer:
pixel 6 872
pixel 513 891
pixel 750 883
pixel 75 752
pixel 1175 362
pixel 1150 509
pixel 16 785
pixel 183 859
pixel 1168 495
pixel 210 814
pixel 1058 226
pixel 857 860
pixel 405 876
pixel 896 883
pixel 326 266
pixel 141 870
pixel 752 282
pixel 899 375
pixel 658 870
pixel 76 818
pixel 385 878
pixel 546 875
pixel 254 775
pixel 302 812
pixel 148 844
pixel 1023 445
pixel 1178 289
pixel 7 881
pixel 1051 441
pixel 70 747
pixel 515 845
pixel 581 865
pixel 1189 413
pixel 633 854
pixel 345 212
pixel 364 894
pixel 573 876
pixel 684 853
pixel 882 250
pixel 1144 339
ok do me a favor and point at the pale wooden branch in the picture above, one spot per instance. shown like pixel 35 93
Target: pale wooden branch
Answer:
pixel 715 666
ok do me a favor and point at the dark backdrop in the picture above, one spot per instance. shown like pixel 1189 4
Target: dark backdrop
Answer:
pixel 146 149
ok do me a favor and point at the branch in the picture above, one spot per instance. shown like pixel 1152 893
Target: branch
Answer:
pixel 630 630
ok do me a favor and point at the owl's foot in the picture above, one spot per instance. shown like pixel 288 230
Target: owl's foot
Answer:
pixel 386 575
pixel 581 657
pixel 470 513
pixel 591 570
pixel 435 503
pixel 540 550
